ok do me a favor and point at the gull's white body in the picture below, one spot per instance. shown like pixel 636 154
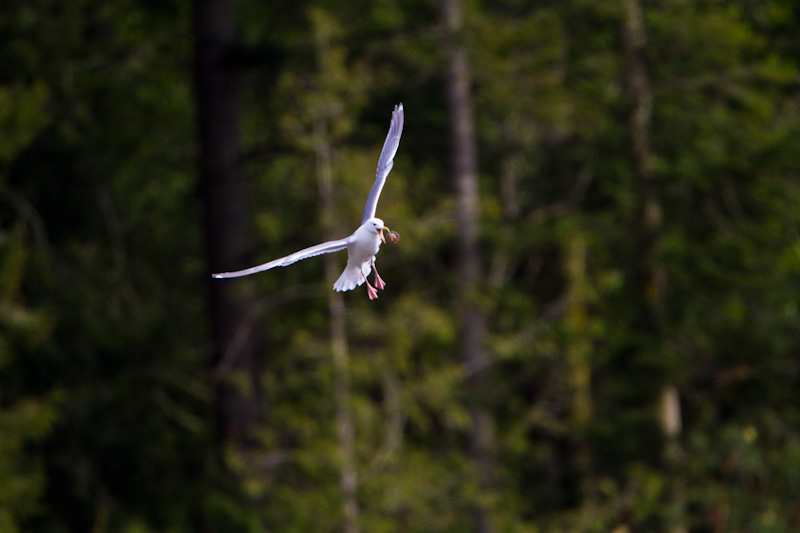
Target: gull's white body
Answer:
pixel 361 250
pixel 365 242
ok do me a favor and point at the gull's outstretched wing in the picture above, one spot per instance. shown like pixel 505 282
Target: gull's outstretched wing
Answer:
pixel 324 248
pixel 385 162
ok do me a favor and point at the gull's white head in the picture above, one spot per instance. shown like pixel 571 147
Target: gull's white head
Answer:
pixel 376 225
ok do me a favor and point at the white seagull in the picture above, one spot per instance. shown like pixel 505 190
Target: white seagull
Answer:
pixel 364 243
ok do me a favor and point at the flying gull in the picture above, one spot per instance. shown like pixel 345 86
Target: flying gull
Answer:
pixel 364 243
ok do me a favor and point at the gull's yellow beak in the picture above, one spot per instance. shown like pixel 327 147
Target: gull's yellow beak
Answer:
pixel 380 233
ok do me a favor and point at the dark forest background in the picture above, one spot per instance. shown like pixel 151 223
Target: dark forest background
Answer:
pixel 591 322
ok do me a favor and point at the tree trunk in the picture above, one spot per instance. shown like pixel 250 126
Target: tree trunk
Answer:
pixel 348 475
pixel 221 187
pixel 345 429
pixel 578 479
pixel 579 347
pixel 465 177
pixel 649 277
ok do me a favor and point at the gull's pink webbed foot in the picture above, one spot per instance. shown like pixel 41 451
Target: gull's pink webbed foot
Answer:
pixel 371 291
pixel 379 283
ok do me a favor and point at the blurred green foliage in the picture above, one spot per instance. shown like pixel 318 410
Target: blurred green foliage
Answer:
pixel 106 404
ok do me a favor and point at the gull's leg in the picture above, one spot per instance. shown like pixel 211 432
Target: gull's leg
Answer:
pixel 378 281
pixel 371 292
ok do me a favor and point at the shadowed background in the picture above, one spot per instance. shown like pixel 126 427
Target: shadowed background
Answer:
pixel 591 322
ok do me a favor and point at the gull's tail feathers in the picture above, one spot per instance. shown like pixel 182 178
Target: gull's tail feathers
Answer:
pixel 352 277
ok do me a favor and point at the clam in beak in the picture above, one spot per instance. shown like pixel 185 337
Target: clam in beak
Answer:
pixel 380 234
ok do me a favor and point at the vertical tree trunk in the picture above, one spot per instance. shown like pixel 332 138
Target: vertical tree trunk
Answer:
pixel 464 169
pixel 348 475
pixel 222 191
pixel 578 481
pixel 579 347
pixel 649 276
